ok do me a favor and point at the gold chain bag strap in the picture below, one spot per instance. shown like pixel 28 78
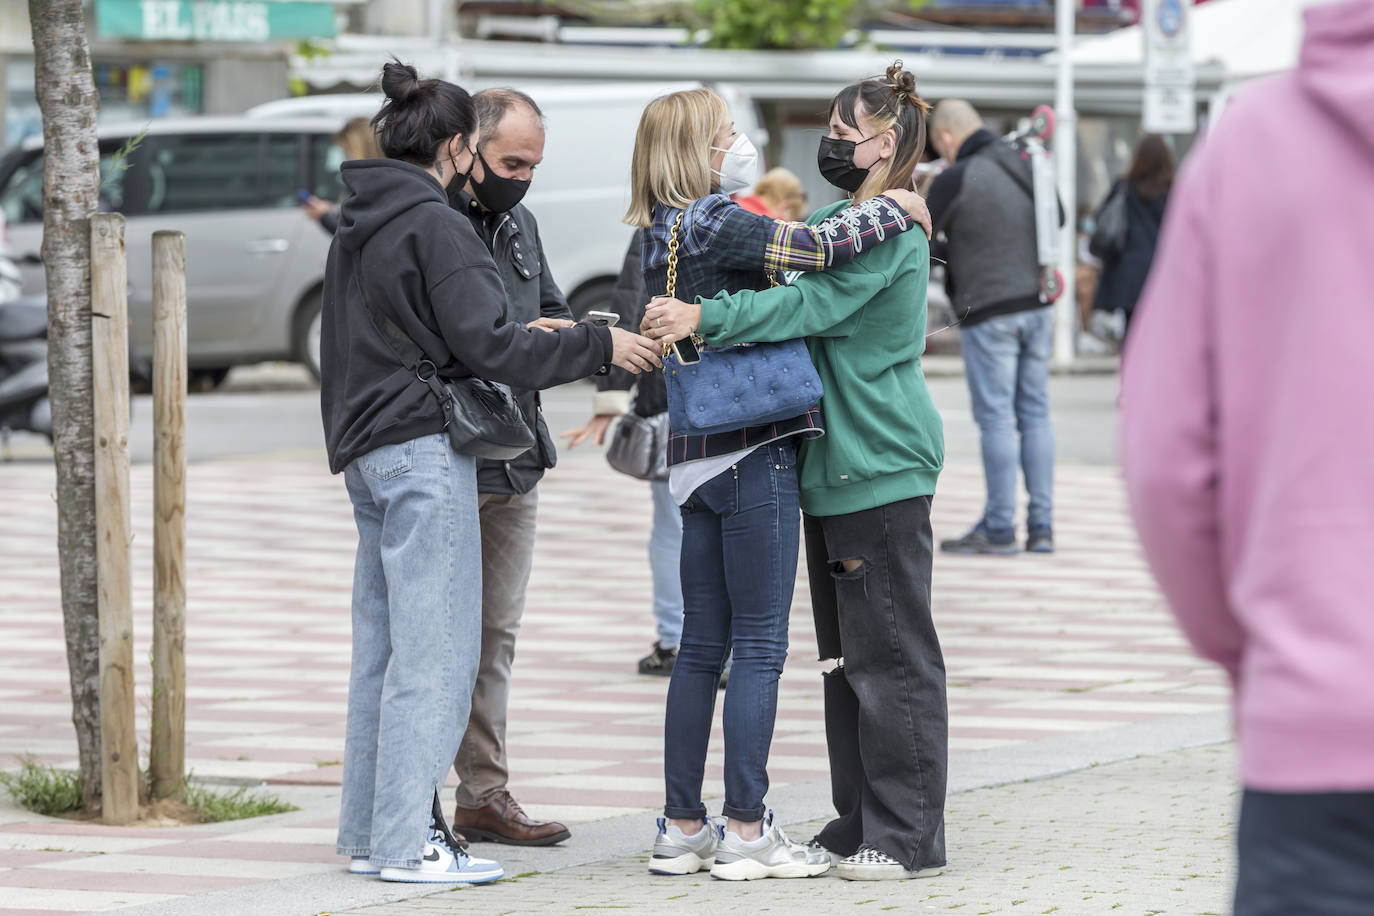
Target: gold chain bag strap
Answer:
pixel 672 282
pixel 739 386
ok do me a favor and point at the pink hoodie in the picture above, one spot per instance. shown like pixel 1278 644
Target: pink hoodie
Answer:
pixel 1247 427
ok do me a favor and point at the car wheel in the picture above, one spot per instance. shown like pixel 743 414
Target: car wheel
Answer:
pixel 307 333
pixel 595 294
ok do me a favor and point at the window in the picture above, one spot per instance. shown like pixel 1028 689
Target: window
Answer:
pixel 325 158
pixel 191 173
pixel 22 198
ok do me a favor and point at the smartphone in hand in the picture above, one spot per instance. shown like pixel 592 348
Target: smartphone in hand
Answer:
pixel 603 319
pixel 303 195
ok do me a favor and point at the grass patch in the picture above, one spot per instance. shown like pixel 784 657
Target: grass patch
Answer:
pixel 42 789
pixel 214 805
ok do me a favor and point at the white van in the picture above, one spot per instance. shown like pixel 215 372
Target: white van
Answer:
pixel 582 190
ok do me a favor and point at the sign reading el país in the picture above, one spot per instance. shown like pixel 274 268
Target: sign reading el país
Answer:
pixel 213 20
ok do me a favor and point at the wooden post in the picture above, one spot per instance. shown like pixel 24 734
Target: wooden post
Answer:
pixel 167 757
pixel 110 368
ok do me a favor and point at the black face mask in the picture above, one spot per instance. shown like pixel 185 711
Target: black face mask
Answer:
pixel 835 158
pixel 460 179
pixel 495 193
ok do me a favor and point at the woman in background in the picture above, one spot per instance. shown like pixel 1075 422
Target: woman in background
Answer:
pixel 1146 185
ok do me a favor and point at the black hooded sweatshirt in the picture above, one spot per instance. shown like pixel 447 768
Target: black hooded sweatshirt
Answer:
pixel 422 265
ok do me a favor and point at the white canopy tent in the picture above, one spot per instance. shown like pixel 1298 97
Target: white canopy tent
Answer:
pixel 1245 38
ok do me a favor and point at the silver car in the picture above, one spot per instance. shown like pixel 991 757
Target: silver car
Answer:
pixel 255 261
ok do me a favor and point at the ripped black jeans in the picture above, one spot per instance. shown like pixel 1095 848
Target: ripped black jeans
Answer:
pixel 886 720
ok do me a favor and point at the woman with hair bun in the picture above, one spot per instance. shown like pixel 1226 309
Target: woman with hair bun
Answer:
pixel 406 272
pixel 866 490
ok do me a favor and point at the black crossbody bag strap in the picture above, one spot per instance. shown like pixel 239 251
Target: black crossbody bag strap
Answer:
pixel 406 350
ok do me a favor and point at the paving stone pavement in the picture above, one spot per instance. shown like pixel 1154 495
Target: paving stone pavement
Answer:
pixel 1147 836
pixel 1037 648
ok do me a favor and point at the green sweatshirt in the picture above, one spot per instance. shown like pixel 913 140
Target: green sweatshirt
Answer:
pixel 865 324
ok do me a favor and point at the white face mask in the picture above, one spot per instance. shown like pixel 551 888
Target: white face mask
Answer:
pixel 740 170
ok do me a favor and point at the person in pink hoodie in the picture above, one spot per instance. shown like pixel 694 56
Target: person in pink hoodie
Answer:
pixel 1247 443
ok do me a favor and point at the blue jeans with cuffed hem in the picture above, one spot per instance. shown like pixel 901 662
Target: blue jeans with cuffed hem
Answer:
pixel 417 632
pixel 1007 365
pixel 665 555
pixel 740 536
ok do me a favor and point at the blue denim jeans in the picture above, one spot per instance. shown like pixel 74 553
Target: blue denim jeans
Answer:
pixel 665 555
pixel 1007 364
pixel 740 536
pixel 417 631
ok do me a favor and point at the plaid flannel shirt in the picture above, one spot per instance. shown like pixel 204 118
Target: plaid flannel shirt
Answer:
pixel 724 248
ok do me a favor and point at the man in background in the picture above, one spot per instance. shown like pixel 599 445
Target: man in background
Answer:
pixel 984 207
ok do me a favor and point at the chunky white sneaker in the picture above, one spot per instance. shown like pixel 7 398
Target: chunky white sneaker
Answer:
pixel 772 855
pixel 872 864
pixel 676 853
pixel 361 865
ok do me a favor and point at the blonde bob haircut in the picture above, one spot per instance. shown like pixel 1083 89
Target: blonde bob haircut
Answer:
pixel 672 157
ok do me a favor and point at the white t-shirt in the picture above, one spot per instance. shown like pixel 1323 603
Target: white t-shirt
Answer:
pixel 684 478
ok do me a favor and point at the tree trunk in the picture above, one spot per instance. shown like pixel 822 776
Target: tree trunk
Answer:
pixel 71 189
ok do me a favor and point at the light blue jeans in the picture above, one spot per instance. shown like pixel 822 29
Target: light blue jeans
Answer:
pixel 1007 364
pixel 417 632
pixel 665 549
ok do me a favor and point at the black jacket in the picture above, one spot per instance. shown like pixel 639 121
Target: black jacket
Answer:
pixel 1123 277
pixel 629 301
pixel 513 240
pixel 422 265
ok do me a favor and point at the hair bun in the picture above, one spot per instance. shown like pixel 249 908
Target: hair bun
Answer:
pixel 400 82
pixel 902 81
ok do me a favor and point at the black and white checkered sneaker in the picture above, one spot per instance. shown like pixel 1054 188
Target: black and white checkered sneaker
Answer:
pixel 872 864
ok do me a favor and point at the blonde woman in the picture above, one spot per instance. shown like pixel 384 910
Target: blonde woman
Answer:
pixel 866 489
pixel 357 140
pixel 737 490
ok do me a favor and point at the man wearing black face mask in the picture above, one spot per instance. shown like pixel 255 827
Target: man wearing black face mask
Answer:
pixel 512 144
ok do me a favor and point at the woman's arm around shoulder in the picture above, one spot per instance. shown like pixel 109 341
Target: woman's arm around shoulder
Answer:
pixel 749 241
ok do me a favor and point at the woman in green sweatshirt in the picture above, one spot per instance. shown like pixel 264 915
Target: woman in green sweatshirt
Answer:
pixel 866 490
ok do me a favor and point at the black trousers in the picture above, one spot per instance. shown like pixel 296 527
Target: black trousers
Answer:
pixel 886 719
pixel 1305 854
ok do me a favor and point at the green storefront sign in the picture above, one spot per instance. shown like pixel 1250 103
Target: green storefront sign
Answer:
pixel 213 20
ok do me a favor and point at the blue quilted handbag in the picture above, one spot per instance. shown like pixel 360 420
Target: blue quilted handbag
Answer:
pixel 744 385
pixel 739 386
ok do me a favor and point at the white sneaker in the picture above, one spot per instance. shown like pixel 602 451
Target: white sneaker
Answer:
pixel 443 865
pixel 772 855
pixel 362 865
pixel 445 860
pixel 872 864
pixel 676 853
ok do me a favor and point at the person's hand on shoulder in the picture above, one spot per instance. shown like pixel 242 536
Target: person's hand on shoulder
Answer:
pixel 913 204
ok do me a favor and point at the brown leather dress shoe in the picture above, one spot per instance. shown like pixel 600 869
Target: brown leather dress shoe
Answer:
pixel 503 821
